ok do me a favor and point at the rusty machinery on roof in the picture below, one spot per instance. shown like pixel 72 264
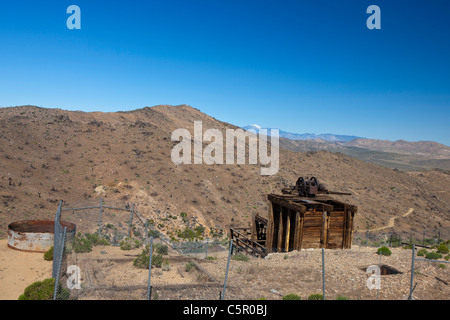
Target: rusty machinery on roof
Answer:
pixel 304 216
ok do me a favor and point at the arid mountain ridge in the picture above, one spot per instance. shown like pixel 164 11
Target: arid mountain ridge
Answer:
pixel 47 155
pixel 399 154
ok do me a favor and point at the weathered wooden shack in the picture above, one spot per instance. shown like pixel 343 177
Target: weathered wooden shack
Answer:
pixel 296 223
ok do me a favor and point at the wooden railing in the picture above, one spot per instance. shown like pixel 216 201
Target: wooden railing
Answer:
pixel 243 243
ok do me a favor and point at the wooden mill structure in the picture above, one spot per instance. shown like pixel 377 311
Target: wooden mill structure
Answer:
pixel 298 221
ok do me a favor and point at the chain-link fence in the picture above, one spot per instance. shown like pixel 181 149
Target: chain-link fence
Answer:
pixel 429 272
pixel 113 253
pixel 424 238
pixel 116 254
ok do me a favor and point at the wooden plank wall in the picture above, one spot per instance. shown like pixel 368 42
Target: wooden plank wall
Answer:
pixel 312 229
pixel 290 229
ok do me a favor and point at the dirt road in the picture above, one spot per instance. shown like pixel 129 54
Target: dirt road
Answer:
pixel 20 269
pixel 392 221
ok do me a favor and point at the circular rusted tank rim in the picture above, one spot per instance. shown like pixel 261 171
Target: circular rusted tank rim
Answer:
pixel 36 226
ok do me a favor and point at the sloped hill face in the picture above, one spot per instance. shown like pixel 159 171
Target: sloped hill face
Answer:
pixel 47 155
pixel 429 148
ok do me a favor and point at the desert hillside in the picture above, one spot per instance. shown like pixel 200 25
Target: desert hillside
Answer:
pixel 47 155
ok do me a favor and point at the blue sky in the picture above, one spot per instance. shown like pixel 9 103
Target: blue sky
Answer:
pixel 301 66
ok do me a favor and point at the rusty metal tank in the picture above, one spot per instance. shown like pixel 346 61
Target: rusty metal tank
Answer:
pixel 34 235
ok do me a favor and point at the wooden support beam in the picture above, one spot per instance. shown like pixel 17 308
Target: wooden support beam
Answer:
pixel 302 222
pixel 286 203
pixel 288 230
pixel 280 230
pixel 269 236
pixel 297 231
pixel 345 228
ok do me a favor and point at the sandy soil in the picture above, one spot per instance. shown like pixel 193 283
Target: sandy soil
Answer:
pixel 20 269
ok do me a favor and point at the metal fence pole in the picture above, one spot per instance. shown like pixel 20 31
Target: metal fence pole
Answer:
pixel 56 239
pixel 412 273
pixel 206 254
pixel 61 253
pixel 379 267
pixel 146 232
pixel 226 273
pixel 150 269
pixel 323 273
pixel 131 220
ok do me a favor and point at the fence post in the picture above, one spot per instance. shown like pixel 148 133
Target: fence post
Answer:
pixel 150 269
pixel 379 267
pixel 100 218
pixel 206 254
pixel 412 273
pixel 131 220
pixel 61 253
pixel 56 239
pixel 323 273
pixel 226 273
pixel 146 232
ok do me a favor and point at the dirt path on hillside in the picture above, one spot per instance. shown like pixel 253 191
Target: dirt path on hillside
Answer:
pixel 19 269
pixel 392 221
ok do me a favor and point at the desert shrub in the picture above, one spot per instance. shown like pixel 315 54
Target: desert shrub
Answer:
pixel 211 258
pixel 315 296
pixel 189 266
pixel 137 233
pixel 189 234
pixel 442 249
pixel 240 257
pixel 81 244
pixel 442 266
pixel 422 252
pixel 48 255
pixel 96 240
pixel 154 233
pixel 384 251
pixel 291 296
pixel 127 244
pixel 433 256
pixel 165 266
pixel 137 243
pixel 143 259
pixel 447 257
pixel 162 249
pixel 43 290
pixel 339 297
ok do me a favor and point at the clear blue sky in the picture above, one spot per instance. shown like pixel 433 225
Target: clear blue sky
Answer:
pixel 301 66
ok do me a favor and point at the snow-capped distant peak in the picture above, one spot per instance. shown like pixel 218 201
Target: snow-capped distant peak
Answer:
pixel 255 126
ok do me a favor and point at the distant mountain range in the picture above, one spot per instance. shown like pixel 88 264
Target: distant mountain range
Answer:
pixel 400 154
pixel 307 136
